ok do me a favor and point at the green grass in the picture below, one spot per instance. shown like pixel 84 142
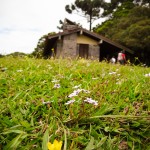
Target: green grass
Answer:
pixel 120 120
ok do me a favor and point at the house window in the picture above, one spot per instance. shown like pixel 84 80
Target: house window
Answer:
pixel 83 50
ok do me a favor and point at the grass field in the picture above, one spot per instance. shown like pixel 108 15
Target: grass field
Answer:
pixel 88 105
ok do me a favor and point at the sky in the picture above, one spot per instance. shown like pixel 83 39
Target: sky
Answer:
pixel 24 22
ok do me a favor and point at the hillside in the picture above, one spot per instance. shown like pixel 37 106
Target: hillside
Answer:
pixel 85 104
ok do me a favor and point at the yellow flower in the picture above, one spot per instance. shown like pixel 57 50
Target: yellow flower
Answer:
pixel 55 146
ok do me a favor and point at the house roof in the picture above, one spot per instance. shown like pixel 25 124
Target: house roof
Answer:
pixel 90 34
pixel 67 21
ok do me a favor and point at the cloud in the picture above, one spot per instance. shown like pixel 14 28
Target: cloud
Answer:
pixel 23 22
pixel 19 40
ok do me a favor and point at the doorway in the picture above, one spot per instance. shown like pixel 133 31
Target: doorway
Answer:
pixel 83 51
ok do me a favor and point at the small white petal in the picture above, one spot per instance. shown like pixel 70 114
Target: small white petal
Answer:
pixel 57 86
pixel 19 70
pixel 70 102
pixel 55 81
pixel 77 86
pixel 94 78
pixel 147 75
pixel 72 95
pixel 91 101
pixel 112 73
pixel 46 102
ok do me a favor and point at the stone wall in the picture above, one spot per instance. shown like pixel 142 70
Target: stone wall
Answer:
pixel 69 46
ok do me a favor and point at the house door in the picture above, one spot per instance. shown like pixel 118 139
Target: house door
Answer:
pixel 83 50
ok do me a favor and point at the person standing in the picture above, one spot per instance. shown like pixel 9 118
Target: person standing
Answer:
pixel 124 57
pixel 121 57
pixel 113 60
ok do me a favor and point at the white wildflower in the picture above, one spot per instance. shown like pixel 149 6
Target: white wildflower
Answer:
pixel 70 102
pixel 55 81
pixel 91 101
pixel 46 102
pixel 57 86
pixel 72 95
pixel 19 70
pixel 43 102
pixel 78 91
pixel 3 69
pixel 75 93
pixel 119 82
pixel 147 75
pixel 77 86
pixel 112 73
pixel 94 78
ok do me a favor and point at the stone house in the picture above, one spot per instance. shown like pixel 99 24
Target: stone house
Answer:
pixel 76 41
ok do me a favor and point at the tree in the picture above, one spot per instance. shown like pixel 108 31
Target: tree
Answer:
pixel 137 34
pixel 111 7
pixel 17 54
pixel 61 25
pixel 131 29
pixel 121 11
pixel 1 55
pixel 39 50
pixel 91 9
pixel 142 2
